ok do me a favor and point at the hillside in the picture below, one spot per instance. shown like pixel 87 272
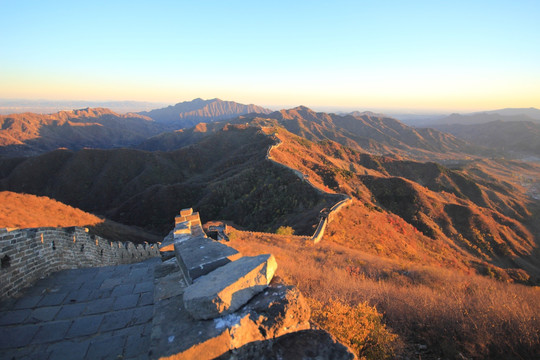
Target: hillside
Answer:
pixel 507 137
pixel 441 252
pixel 26 211
pixel 31 134
pixel 365 132
pixel 29 211
pixel 189 113
pixel 225 176
pixel 368 133
pixel 365 299
pixel 417 210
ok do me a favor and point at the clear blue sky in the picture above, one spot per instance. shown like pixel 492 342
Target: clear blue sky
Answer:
pixel 359 54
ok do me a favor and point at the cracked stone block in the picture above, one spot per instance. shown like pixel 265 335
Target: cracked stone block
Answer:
pixel 229 287
pixel 200 255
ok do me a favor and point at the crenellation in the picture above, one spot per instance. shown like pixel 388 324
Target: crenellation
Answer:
pixel 62 248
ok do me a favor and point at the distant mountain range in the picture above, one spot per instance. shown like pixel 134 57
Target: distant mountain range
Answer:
pixel 509 114
pixel 31 134
pixel 512 132
pixel 506 136
pixel 190 113
pixel 530 112
pixel 17 106
pixel 367 132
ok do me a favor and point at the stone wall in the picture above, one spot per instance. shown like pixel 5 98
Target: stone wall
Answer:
pixel 326 217
pixel 213 302
pixel 30 254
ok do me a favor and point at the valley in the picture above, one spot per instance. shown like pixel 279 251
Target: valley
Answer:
pixel 439 238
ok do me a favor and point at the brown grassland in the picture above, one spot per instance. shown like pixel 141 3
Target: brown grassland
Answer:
pixel 385 308
pixel 27 211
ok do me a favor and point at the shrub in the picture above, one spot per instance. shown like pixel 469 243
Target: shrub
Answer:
pixel 359 326
pixel 285 230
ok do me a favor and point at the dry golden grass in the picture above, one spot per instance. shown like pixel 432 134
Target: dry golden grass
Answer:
pixel 27 211
pixel 448 310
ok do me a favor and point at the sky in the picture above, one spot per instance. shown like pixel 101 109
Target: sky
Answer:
pixel 363 55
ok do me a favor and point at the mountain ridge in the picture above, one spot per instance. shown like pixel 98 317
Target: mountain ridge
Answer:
pixel 189 113
pixel 31 134
pixel 369 133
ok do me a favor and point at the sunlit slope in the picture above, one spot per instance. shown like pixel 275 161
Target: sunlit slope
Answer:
pixel 29 211
pixel 370 133
pixel 420 210
pixel 224 175
pixel 26 211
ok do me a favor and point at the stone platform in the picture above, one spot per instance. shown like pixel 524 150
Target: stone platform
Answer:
pixel 92 313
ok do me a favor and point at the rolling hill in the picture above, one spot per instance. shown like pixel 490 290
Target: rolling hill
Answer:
pixel 31 134
pixel 189 113
pixel 370 133
pixel 224 176
pixel 467 210
pixel 366 132
pixel 514 138
pixel 19 210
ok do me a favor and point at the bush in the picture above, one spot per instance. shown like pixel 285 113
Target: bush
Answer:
pixel 285 230
pixel 359 327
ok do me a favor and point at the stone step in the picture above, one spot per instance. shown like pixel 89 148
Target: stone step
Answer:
pixel 198 255
pixel 229 287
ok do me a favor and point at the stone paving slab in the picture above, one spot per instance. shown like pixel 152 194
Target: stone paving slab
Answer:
pixel 95 313
pixel 201 255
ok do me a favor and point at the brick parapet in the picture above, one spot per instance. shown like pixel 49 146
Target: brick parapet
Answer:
pixel 30 254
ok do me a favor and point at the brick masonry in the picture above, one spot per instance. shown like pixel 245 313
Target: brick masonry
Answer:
pixel 30 254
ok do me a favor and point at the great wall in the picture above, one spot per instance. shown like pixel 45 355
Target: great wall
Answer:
pixel 325 216
pixel 29 254
pixel 203 299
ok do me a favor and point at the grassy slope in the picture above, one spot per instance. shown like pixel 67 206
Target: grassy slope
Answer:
pixel 26 211
pixel 224 176
pixel 29 211
pixel 449 311
pixel 424 280
pixel 422 210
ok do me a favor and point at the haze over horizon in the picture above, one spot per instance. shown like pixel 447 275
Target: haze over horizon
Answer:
pixel 380 56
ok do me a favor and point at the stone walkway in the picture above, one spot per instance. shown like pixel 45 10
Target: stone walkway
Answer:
pixel 93 313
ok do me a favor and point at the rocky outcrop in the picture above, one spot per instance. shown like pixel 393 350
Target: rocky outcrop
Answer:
pixel 238 310
pixel 309 344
